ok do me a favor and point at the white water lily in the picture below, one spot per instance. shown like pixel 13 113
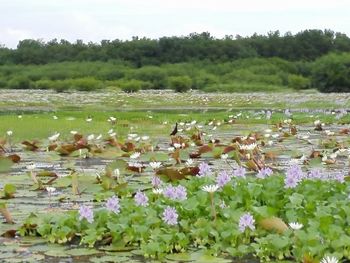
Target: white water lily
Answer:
pixel 50 190
pixel 9 133
pixel 171 149
pixel 157 191
pixel 295 225
pixel 189 162
pixel 224 156
pixel 317 122
pixel 210 188
pixel 155 165
pixel 329 259
pixel 177 145
pixel 54 137
pixel 91 137
pixel 55 117
pixel 135 155
pixel 248 147
pixel 31 166
pixel 329 133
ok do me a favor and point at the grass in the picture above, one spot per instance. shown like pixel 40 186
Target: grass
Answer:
pixel 42 125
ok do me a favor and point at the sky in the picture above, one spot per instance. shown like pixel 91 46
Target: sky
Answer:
pixel 95 20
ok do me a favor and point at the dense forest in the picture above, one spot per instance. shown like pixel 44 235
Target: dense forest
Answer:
pixel 309 59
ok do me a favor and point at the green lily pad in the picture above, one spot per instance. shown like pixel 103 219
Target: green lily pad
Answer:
pixel 109 259
pixel 77 252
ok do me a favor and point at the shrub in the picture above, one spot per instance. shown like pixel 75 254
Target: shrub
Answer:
pixel 204 79
pixel 20 82
pixel 298 82
pixel 155 75
pixel 331 73
pixel 131 85
pixel 44 84
pixel 3 83
pixel 180 84
pixel 85 84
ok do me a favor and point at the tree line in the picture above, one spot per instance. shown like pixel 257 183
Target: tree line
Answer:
pixel 273 62
pixel 306 45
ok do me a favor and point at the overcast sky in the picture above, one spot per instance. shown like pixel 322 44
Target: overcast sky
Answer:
pixel 94 20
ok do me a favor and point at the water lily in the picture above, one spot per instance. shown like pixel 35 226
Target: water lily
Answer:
pixel 135 155
pixel 295 225
pixel 329 259
pixel 54 137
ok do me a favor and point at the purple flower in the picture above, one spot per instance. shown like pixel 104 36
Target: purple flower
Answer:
pixel 204 169
pixel 246 221
pixel 180 192
pixel 239 172
pixel 170 215
pixel 268 115
pixel 264 172
pixel 291 182
pixel 295 171
pixel 156 182
pixel 315 174
pixel 293 176
pixel 223 204
pixel 222 179
pixel 141 199
pixel 170 192
pixel 175 193
pixel 340 177
pixel 113 205
pixel 87 213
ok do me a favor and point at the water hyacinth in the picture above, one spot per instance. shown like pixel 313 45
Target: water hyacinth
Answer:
pixel 340 177
pixel 246 221
pixel 86 212
pixel 239 172
pixel 222 179
pixel 295 171
pixel 141 199
pixel 156 182
pixel 204 169
pixel 264 172
pixel 291 182
pixel 314 174
pixel 170 216
pixel 293 176
pixel 175 192
pixel 112 204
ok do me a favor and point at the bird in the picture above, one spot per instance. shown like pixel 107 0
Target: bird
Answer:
pixel 174 131
pixel 89 118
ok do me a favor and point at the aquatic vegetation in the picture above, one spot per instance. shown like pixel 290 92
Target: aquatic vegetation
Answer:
pixel 272 188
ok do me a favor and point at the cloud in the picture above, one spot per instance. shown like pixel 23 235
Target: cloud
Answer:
pixel 94 20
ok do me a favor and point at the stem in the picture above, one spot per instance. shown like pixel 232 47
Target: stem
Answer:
pixel 6 214
pixel 213 212
pixel 10 144
pixel 33 176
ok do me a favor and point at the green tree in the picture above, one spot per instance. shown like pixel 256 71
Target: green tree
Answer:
pixel 331 73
